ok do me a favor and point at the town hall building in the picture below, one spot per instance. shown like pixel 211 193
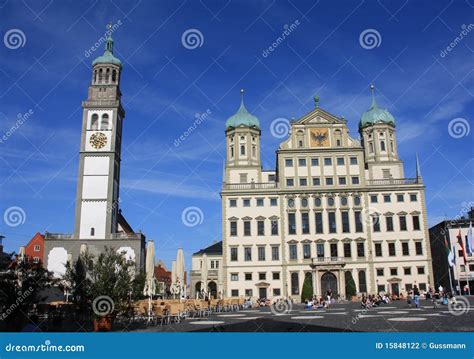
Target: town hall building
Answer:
pixel 334 208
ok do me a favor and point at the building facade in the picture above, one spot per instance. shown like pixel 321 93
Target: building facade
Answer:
pixel 213 257
pixel 99 222
pixel 447 232
pixel 34 250
pixel 333 208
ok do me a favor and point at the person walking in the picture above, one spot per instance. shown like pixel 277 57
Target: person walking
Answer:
pixel 416 296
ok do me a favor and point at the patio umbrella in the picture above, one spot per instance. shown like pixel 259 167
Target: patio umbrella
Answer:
pixel 204 274
pixel 150 287
pixel 83 249
pixel 220 280
pixel 173 278
pixel 180 272
pixel 22 254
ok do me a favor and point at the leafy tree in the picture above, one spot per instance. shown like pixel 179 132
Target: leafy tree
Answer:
pixel 307 292
pixel 138 284
pixel 350 285
pixel 77 279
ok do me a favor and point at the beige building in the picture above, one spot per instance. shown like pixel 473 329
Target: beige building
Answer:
pixel 334 207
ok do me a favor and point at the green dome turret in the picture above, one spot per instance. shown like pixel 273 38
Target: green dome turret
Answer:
pixel 242 117
pixel 108 56
pixel 375 114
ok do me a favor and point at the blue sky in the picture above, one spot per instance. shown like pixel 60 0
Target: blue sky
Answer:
pixel 165 84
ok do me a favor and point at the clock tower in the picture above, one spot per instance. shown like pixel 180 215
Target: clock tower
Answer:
pixel 97 197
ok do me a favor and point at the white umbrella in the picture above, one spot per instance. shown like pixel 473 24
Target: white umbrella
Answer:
pixel 180 272
pixel 83 249
pixel 220 280
pixel 204 274
pixel 150 287
pixel 22 254
pixel 173 277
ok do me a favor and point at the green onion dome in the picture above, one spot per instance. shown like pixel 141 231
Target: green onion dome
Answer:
pixel 242 117
pixel 375 114
pixel 108 56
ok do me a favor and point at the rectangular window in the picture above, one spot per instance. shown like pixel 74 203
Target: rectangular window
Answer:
pixel 271 178
pixel 246 202
pixel 418 248
pixel 262 276
pixel 353 160
pixel 247 231
pixel 413 198
pixel 319 222
pixel 261 228
pixel 407 270
pixel 386 198
pixel 259 202
pixel 273 202
pixel 314 162
pixel 405 249
pixel 342 181
pixel 393 271
pixel 36 260
pixel 275 253
pixel 403 223
pixel 378 249
pixel 306 251
pixel 355 180
pixel 36 248
pixel 327 162
pixel 375 223
pixel 247 254
pixel 274 223
pixel 360 250
pixel 289 162
pixel 305 223
pixel 391 249
pixel 233 203
pixel 212 264
pixel 340 161
pixel 276 292
pixel 421 270
pixel 248 292
pixel 400 198
pixel 302 162
pixel 347 250
pixel 320 250
pixel 373 198
pixel 261 253
pixel 234 277
pixel 345 222
pixel 389 223
pixel 380 272
pixel 303 182
pixel 290 182
pixel 316 181
pixel 233 255
pixel 333 249
pixel 332 222
pixel 293 252
pixel 416 223
pixel 358 222
pixel 234 292
pixel 329 181
pixel 276 275
pixel 233 228
pixel 291 223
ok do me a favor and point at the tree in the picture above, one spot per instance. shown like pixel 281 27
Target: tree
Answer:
pixel 350 285
pixel 307 292
pixel 77 279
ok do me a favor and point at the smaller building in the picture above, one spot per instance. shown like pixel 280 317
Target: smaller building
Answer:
pixel 214 260
pixel 447 232
pixel 34 250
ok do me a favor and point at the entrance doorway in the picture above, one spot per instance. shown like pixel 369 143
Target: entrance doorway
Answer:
pixel 395 289
pixel 328 281
pixel 262 292
pixel 212 289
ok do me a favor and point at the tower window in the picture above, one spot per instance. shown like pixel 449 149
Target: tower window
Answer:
pixel 371 147
pixel 105 122
pixel 382 146
pixel 107 76
pixel 242 150
pixel 254 151
pixel 232 152
pixel 114 76
pixel 101 76
pixel 92 231
pixel 94 122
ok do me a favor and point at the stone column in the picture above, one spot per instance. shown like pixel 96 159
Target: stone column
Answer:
pixel 315 282
pixel 343 282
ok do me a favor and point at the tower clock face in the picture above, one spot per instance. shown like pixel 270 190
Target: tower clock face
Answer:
pixel 98 140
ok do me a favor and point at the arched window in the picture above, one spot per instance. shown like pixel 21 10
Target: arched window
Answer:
pixel 232 152
pixel 95 76
pixel 362 282
pixel 114 76
pixel 371 147
pixel 254 151
pixel 101 76
pixel 295 284
pixel 382 146
pixel 92 231
pixel 105 122
pixel 94 122
pixel 300 138
pixel 242 150
pixel 338 137
pixel 107 76
pixel 391 146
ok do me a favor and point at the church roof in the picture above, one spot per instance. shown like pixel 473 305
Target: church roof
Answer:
pixel 108 56
pixel 375 114
pixel 242 117
pixel 215 249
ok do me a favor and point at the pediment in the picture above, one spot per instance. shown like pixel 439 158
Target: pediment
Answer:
pixel 319 116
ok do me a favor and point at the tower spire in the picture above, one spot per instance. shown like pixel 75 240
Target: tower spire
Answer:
pixel 109 44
